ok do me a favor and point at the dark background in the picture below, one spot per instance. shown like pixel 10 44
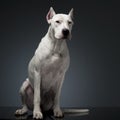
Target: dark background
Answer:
pixel 93 78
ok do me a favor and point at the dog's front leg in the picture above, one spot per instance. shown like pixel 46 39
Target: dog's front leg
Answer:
pixel 37 111
pixel 56 109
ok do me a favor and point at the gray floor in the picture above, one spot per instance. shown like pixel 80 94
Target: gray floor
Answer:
pixel 77 114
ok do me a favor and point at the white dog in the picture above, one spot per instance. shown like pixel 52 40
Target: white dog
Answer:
pixel 46 70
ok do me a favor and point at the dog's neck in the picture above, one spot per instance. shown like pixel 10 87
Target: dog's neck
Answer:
pixel 55 45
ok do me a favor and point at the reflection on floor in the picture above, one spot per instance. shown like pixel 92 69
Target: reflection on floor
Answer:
pixel 69 114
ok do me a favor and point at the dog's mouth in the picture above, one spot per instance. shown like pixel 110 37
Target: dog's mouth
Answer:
pixel 65 37
pixel 62 37
pixel 68 37
pixel 65 34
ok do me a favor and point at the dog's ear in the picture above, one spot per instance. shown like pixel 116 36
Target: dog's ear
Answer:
pixel 71 13
pixel 50 14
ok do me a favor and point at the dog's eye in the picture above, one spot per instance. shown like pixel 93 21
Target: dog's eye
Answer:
pixel 57 21
pixel 69 22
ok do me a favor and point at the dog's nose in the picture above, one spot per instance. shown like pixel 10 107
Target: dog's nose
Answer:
pixel 65 32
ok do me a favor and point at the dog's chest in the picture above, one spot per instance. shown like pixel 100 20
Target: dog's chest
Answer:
pixel 53 64
pixel 52 69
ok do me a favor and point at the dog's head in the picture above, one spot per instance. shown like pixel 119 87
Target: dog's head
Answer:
pixel 61 24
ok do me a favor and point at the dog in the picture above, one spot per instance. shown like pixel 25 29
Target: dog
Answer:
pixel 47 68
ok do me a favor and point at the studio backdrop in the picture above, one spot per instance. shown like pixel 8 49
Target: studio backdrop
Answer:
pixel 93 78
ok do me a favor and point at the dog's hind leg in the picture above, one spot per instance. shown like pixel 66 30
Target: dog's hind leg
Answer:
pixel 25 88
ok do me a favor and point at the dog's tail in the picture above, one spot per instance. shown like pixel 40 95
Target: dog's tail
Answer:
pixel 75 112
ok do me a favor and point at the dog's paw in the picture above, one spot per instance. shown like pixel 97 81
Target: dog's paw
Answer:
pixel 58 112
pixel 21 111
pixel 37 115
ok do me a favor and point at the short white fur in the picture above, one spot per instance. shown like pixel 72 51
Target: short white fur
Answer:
pixel 47 69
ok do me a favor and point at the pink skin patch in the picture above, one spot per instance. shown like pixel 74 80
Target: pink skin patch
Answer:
pixel 30 95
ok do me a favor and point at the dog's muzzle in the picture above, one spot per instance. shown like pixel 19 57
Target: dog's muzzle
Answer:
pixel 65 33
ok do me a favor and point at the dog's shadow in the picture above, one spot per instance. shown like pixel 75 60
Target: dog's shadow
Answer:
pixel 47 116
pixel 30 117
